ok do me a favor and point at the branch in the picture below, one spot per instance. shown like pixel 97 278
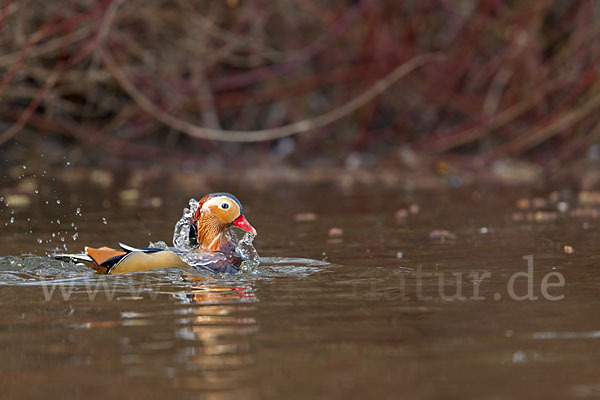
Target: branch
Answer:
pixel 265 134
pixel 544 133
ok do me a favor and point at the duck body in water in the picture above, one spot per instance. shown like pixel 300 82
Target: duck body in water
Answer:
pixel 211 244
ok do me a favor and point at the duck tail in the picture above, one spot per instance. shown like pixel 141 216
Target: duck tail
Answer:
pixel 73 257
pixel 101 259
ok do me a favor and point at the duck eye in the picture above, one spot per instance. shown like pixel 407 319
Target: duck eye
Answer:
pixel 224 206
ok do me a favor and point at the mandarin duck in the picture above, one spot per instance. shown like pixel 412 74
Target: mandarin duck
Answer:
pixel 210 244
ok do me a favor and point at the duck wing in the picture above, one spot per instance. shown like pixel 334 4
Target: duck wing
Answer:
pixel 129 259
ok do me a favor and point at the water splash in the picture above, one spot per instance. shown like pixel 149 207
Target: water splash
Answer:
pixel 181 234
pixel 246 249
pixel 158 245
pixel 273 267
pixel 32 268
pixel 185 242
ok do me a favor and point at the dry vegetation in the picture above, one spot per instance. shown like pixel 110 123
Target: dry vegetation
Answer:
pixel 477 79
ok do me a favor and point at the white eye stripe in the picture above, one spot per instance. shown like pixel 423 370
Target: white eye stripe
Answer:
pixel 217 202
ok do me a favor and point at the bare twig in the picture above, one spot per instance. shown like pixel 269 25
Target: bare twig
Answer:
pixel 544 133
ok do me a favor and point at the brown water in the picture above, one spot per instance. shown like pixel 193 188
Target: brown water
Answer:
pixel 355 320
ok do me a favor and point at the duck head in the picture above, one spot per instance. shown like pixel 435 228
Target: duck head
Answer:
pixel 215 214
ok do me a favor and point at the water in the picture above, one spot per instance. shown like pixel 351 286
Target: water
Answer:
pixel 327 313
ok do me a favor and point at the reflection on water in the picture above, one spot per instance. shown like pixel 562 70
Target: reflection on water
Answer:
pixel 209 346
pixel 218 332
pixel 193 330
pixel 196 327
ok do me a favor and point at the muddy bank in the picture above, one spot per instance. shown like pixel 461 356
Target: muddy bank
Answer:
pixel 584 175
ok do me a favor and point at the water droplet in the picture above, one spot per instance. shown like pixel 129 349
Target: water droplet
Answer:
pixel 519 357
pixel 68 163
pixel 12 220
pixel 53 234
pixel 78 212
pixel 24 166
pixel 104 221
pixel 562 206
pixel 57 201
pixel 36 191
pixel 75 235
pixel 39 241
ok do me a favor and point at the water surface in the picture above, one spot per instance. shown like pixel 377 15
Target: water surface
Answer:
pixel 360 313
